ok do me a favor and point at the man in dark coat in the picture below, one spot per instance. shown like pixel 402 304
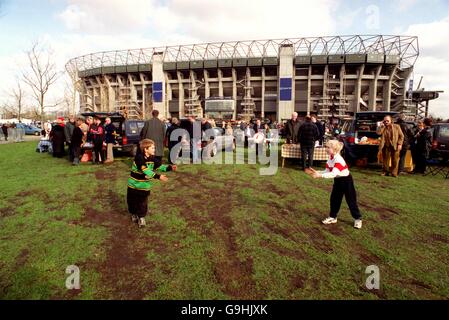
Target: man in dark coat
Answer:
pixel 97 133
pixel 406 145
pixel 77 141
pixel 109 131
pixel 57 137
pixel 320 127
pixel 307 135
pixel 291 129
pixel 154 129
pixel 423 146
pixel 5 131
pixel 68 132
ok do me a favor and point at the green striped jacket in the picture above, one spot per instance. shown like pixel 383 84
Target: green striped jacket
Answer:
pixel 144 170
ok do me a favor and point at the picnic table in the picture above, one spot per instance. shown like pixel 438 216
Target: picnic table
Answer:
pixel 293 151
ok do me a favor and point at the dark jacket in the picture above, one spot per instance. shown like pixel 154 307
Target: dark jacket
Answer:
pixel 170 129
pixel 257 129
pixel 57 137
pixel 204 127
pixel 68 131
pixel 97 133
pixel 109 131
pixel 154 129
pixel 291 130
pixel 408 134
pixel 320 127
pixel 77 137
pixel 308 134
pixel 424 142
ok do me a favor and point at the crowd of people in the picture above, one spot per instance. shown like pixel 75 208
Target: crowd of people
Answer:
pixel 11 132
pixel 79 134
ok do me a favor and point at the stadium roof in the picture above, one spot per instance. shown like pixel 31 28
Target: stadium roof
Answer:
pixel 406 47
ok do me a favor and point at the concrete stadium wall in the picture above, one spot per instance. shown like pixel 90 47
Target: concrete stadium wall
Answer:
pixel 321 85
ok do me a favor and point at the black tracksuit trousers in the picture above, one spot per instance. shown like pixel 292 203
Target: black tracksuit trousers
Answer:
pixel 344 186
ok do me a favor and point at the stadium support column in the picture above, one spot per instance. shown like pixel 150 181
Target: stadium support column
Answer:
pixel 111 94
pixel 181 95
pixel 234 92
pixel 309 90
pixel 372 103
pixel 286 97
pixel 169 95
pixel 101 91
pixel 144 100
pixel 262 104
pixel 206 84
pixel 358 88
pixel 387 90
pixel 158 84
pixel 220 83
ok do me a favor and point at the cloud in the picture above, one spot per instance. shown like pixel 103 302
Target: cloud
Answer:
pixel 404 5
pixel 433 62
pixel 106 16
pixel 202 20
pixel 252 19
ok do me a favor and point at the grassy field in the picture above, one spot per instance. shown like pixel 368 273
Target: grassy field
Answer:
pixel 215 232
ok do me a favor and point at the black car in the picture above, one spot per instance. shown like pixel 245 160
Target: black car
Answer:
pixel 128 130
pixel 360 138
pixel 440 143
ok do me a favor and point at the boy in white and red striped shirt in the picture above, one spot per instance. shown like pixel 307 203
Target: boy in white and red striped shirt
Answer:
pixel 337 168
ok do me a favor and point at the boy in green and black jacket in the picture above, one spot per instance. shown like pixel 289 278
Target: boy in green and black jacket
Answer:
pixel 139 183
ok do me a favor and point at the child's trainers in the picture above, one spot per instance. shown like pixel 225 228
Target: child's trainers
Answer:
pixel 134 218
pixel 358 224
pixel 329 220
pixel 142 222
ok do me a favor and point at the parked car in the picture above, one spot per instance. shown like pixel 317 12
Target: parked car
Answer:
pixel 440 144
pixel 128 130
pixel 29 129
pixel 360 138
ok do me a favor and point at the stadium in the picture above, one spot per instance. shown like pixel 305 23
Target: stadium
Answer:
pixel 269 79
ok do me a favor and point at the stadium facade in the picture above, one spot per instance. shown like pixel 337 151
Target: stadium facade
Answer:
pixel 330 76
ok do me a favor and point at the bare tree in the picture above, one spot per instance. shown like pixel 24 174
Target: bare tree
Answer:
pixel 18 96
pixel 69 100
pixel 42 75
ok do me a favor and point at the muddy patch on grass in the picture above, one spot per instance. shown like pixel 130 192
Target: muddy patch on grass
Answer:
pixel 233 273
pixel 24 194
pixel 287 234
pixel 6 212
pixel 366 257
pixel 22 258
pixel 383 212
pixel 318 239
pixel 296 253
pixel 378 233
pixel 380 294
pixel 298 282
pixel 439 238
pixel 123 272
pixel 335 229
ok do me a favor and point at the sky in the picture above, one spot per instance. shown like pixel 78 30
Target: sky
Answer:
pixel 75 27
